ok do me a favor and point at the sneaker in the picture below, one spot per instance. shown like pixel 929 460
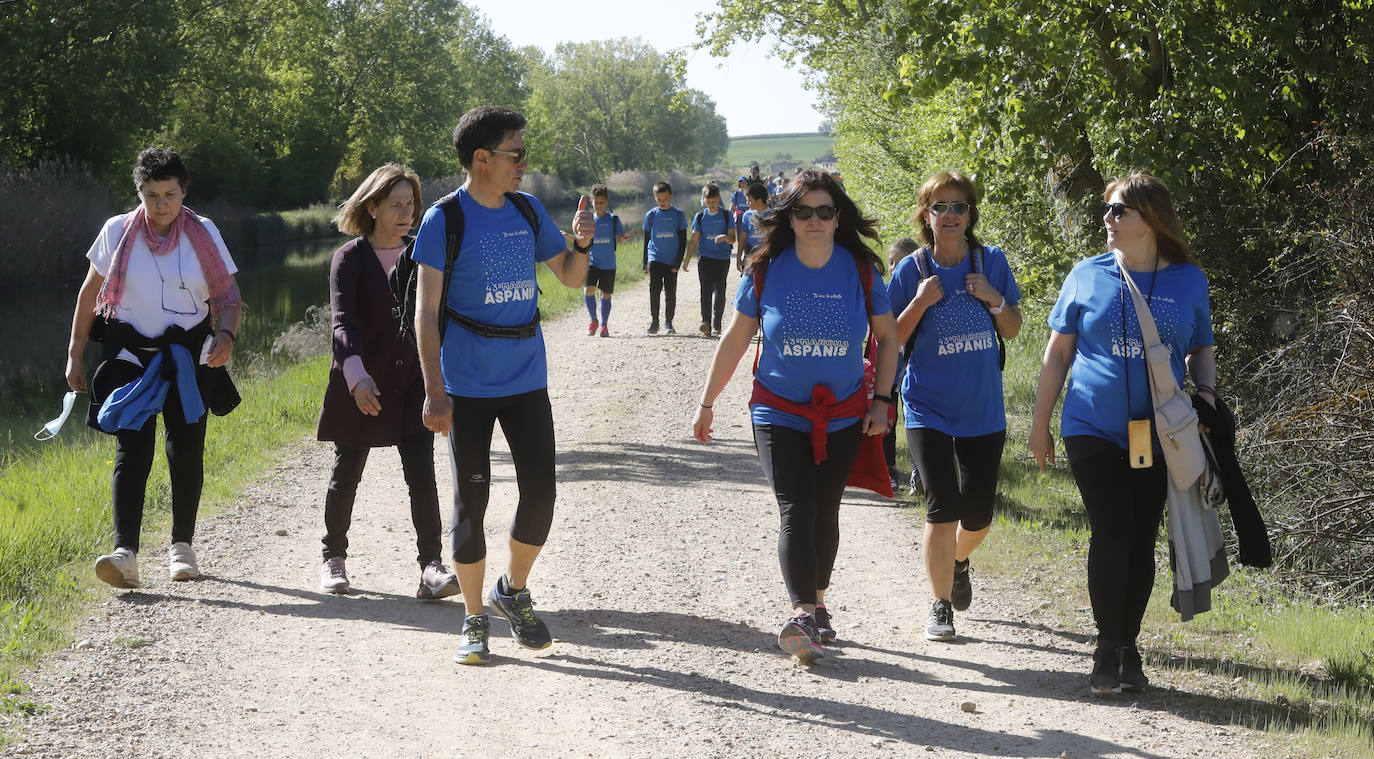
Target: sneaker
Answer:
pixel 941 623
pixel 653 327
pixel 800 638
pixel 119 569
pixel 591 329
pixel 824 628
pixel 473 649
pixel 333 577
pixel 1132 670
pixel 916 486
pixel 668 329
pixel 605 332
pixel 436 582
pixel 181 562
pixel 705 329
pixel 715 332
pixel 518 609
pixel 962 595
pixel 1105 677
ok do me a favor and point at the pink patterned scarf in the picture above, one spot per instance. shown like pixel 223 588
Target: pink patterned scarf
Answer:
pixel 223 291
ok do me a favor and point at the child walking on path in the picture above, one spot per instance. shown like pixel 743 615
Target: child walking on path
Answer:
pixel 665 242
pixel 601 270
pixel 713 236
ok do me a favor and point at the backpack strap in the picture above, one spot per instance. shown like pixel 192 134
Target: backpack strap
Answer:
pixel 1001 344
pixel 920 256
pixel 453 245
pixel 526 208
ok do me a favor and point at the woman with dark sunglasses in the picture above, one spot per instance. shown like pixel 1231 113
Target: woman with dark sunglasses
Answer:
pixel 816 290
pixel 954 298
pixel 1096 335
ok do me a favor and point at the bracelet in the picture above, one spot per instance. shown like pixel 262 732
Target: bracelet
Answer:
pixel 884 398
pixel 999 308
pixel 232 337
pixel 705 405
pixel 580 250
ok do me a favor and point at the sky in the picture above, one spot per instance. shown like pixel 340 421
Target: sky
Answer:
pixel 784 105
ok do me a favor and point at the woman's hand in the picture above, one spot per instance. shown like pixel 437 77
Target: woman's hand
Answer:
pixel 979 287
pixel 930 291
pixel 76 372
pixel 1042 447
pixel 438 413
pixel 365 394
pixel 701 424
pixel 875 421
pixel 220 350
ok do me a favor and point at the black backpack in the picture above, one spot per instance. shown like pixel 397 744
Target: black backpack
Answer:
pixel 404 276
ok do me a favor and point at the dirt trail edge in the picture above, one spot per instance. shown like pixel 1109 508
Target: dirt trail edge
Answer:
pixel 660 584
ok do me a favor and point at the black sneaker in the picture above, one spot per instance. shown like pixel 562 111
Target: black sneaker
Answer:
pixel 824 627
pixel 653 327
pixel 940 626
pixel 518 609
pixel 962 595
pixel 800 638
pixel 1132 670
pixel 668 329
pixel 473 649
pixel 1106 678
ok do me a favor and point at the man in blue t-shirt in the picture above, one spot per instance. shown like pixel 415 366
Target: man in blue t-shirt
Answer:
pixel 713 235
pixel 601 272
pixel 739 202
pixel 485 361
pixel 665 242
pixel 750 232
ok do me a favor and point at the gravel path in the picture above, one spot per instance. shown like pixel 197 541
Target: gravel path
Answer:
pixel 661 586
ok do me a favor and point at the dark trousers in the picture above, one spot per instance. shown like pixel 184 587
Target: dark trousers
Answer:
pixel 712 272
pixel 417 463
pixel 133 462
pixel 1125 507
pixel 527 422
pixel 808 502
pixel 959 475
pixel 662 279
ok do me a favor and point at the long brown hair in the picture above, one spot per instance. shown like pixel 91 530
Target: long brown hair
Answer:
pixel 353 218
pixel 852 227
pixel 926 198
pixel 1144 192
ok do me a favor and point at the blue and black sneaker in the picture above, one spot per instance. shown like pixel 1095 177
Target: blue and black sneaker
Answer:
pixel 518 609
pixel 473 649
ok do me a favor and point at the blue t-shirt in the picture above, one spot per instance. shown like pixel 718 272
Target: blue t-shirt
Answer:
pixel 952 382
pixel 749 225
pixel 662 228
pixel 739 201
pixel 710 225
pixel 1090 308
pixel 603 241
pixel 494 283
pixel 814 327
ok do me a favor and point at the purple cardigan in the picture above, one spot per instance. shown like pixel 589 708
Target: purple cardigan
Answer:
pixel 360 304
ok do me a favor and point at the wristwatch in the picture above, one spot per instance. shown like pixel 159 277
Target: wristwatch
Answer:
pixel 580 250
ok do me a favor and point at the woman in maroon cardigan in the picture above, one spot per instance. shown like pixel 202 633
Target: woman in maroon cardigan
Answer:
pixel 375 391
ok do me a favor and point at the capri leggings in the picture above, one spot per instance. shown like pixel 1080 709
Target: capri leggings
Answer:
pixel 527 422
pixel 959 474
pixel 808 502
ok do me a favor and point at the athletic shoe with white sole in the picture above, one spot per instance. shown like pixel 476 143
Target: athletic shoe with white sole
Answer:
pixel 1106 675
pixel 181 562
pixel 668 329
pixel 941 623
pixel 333 576
pixel 436 582
pixel 473 649
pixel 119 569
pixel 800 638
pixel 518 609
pixel 1132 670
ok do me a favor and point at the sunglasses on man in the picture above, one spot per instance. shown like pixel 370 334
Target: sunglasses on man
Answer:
pixel 802 213
pixel 518 156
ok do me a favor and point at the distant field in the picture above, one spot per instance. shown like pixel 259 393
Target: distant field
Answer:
pixel 802 146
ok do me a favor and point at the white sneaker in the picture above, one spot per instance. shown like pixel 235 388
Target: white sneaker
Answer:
pixel 181 559
pixel 333 577
pixel 436 582
pixel 119 569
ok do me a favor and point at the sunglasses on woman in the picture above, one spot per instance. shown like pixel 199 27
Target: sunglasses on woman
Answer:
pixel 959 208
pixel 802 213
pixel 1117 210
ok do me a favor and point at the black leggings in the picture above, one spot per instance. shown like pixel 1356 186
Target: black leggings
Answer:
pixel 527 422
pixel 133 462
pixel 959 475
pixel 1124 508
pixel 662 279
pixel 417 462
pixel 711 272
pixel 808 502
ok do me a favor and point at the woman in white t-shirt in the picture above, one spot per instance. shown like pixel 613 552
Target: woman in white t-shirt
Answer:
pixel 160 279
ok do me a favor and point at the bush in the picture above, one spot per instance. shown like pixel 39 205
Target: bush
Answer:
pixel 50 216
pixel 644 181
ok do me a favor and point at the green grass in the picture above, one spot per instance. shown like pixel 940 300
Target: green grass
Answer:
pixel 556 298
pixel 760 149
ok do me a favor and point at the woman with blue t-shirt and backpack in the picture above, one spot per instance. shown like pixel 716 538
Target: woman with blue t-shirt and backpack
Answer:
pixel 823 293
pixel 1096 334
pixel 956 300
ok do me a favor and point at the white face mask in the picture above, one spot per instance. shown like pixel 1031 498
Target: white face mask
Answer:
pixel 51 429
